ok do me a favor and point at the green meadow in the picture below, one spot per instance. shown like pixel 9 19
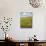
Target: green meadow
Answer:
pixel 26 22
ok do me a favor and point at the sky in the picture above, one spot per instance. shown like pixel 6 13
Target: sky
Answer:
pixel 26 14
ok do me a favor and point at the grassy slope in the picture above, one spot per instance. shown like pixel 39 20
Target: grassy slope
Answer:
pixel 26 22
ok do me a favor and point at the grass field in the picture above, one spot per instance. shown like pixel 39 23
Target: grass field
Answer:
pixel 26 22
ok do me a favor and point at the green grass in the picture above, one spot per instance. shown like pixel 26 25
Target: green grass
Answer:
pixel 26 22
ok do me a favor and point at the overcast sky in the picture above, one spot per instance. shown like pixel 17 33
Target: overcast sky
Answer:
pixel 26 14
